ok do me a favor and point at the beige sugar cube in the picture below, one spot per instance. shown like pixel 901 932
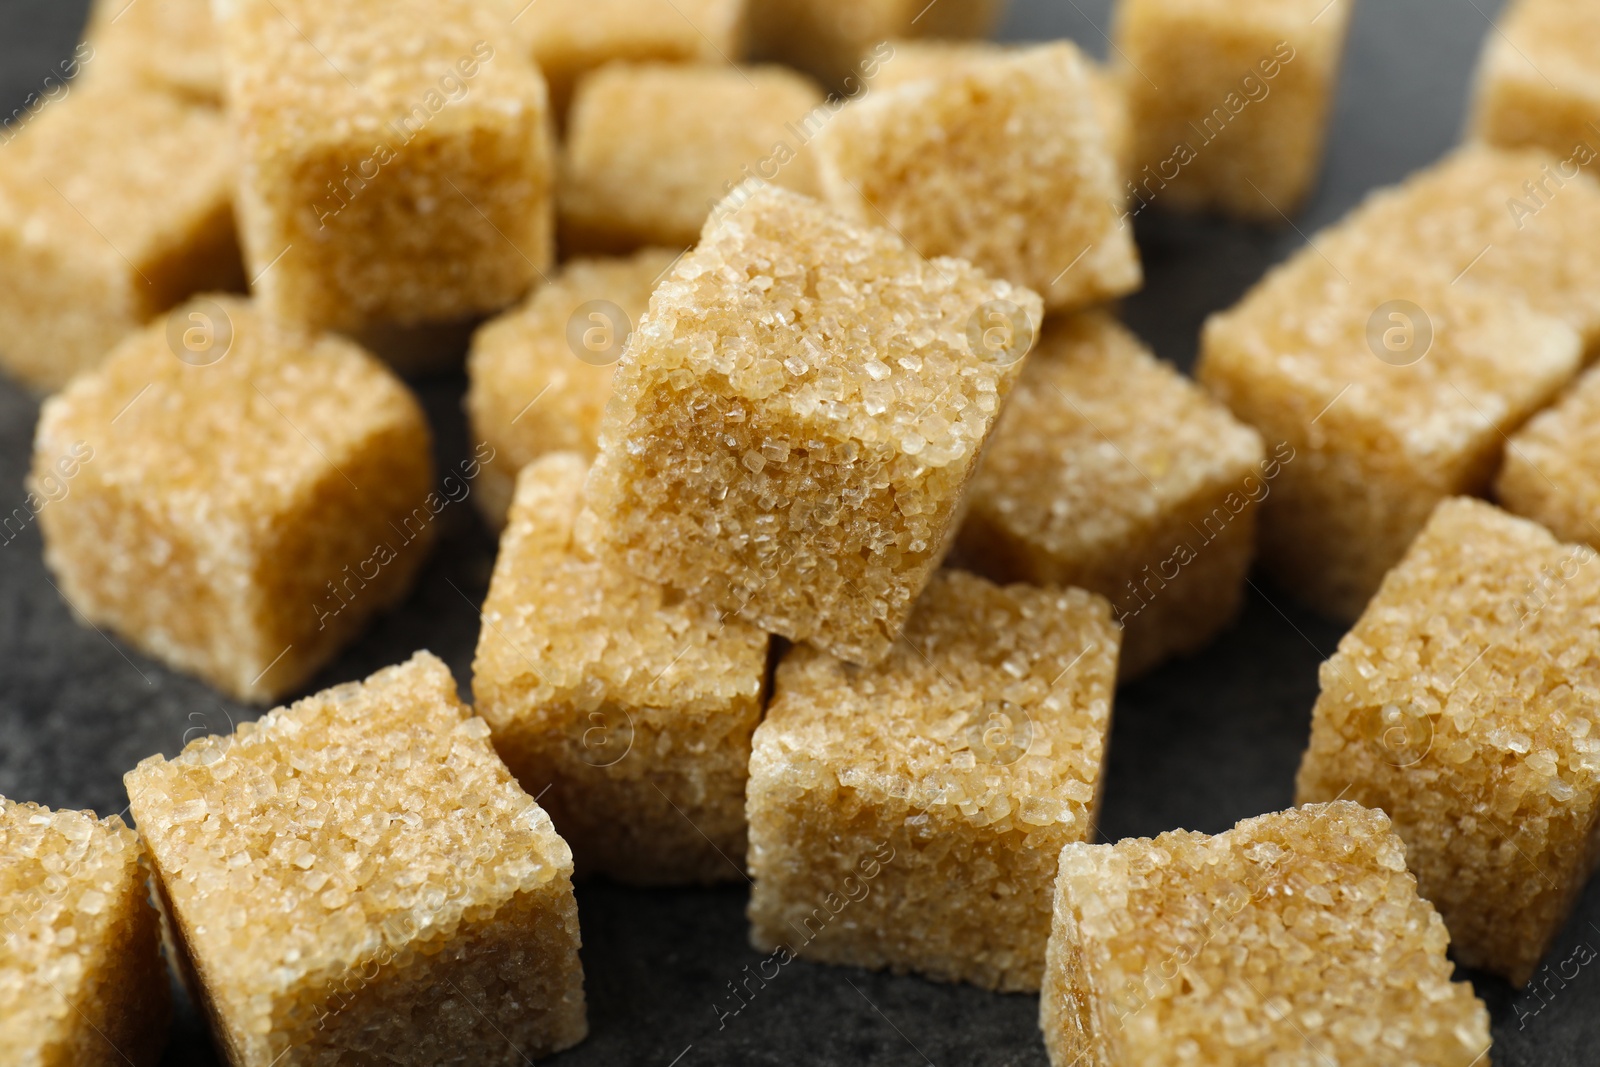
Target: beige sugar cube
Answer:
pixel 1539 79
pixel 938 160
pixel 539 376
pixel 171 45
pixel 81 978
pixel 391 179
pixel 1229 99
pixel 1459 705
pixel 358 878
pixel 899 62
pixel 653 147
pixel 570 38
pixel 1513 221
pixel 626 710
pixel 234 499
pixel 1293 938
pixel 114 206
pixel 910 815
pixel 797 418
pixel 1393 388
pixel 1112 472
pixel 1551 472
pixel 828 37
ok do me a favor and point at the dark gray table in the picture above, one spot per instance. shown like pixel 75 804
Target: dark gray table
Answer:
pixel 1200 744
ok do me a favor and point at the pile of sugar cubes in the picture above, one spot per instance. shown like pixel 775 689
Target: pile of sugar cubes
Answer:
pixel 749 290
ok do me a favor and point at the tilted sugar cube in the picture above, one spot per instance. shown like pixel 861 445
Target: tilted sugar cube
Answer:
pixel 1460 704
pixel 796 420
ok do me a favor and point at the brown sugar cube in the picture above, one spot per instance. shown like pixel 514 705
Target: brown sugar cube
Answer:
pixel 828 37
pixel 81 978
pixel 358 877
pixel 391 179
pixel 1517 222
pixel 539 375
pixel 910 815
pixel 1551 472
pixel 114 206
pixel 890 65
pixel 1392 387
pixel 1460 704
pixel 1293 938
pixel 1229 99
pixel 570 38
pixel 939 161
pixel 627 711
pixel 798 416
pixel 1539 79
pixel 236 500
pixel 172 45
pixel 1112 472
pixel 653 147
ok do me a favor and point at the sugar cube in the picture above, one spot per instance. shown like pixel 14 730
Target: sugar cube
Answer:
pixel 172 45
pixel 1392 385
pixel 81 978
pixel 572 37
pixel 1296 937
pixel 1551 472
pixel 653 147
pixel 1112 472
pixel 1536 80
pixel 1229 100
pixel 114 206
pixel 827 37
pixel 1513 221
pixel 1460 704
pixel 940 161
pixel 391 179
pixel 539 376
pixel 235 499
pixel 358 877
pixel 798 416
pixel 626 710
pixel 895 63
pixel 909 815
